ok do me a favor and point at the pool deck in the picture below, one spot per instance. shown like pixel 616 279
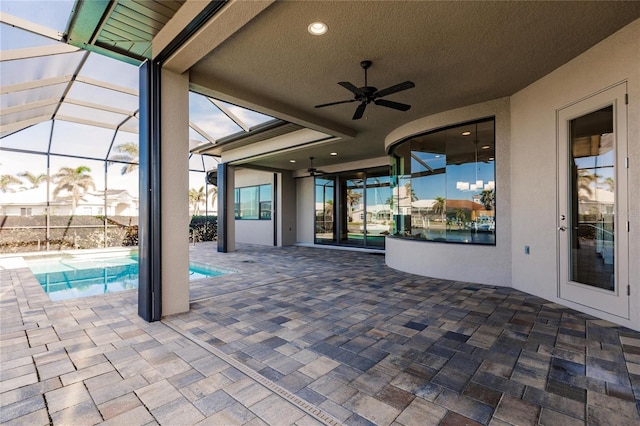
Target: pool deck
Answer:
pixel 311 336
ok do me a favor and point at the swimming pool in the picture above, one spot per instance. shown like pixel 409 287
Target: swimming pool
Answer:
pixel 70 277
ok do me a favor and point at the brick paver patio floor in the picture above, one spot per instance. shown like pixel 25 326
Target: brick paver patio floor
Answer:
pixel 312 336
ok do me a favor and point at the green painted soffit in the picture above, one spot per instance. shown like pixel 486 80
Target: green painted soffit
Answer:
pixel 87 17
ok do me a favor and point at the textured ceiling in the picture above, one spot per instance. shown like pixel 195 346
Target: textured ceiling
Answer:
pixel 456 53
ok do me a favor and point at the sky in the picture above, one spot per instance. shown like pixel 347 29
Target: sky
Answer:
pixel 78 139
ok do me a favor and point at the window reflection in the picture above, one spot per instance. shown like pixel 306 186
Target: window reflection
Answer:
pixel 325 209
pixel 444 185
pixel 253 202
pixel 592 218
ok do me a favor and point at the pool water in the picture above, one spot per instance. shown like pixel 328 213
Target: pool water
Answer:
pixel 72 277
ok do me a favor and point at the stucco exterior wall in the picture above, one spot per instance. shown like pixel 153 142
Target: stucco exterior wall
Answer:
pixel 474 263
pixel 287 209
pixel 253 231
pixel 534 163
pixel 305 212
pixel 175 184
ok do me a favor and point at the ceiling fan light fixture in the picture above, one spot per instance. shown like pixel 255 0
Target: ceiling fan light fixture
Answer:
pixel 317 28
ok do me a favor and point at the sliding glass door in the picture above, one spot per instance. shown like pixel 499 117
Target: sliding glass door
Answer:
pixel 354 208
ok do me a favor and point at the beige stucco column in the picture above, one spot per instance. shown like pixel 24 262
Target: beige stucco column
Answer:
pixel 174 128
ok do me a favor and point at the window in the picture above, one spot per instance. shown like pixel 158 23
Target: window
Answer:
pixel 444 185
pixel 25 211
pixel 253 202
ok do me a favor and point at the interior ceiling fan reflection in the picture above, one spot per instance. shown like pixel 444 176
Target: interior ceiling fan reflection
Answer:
pixel 367 94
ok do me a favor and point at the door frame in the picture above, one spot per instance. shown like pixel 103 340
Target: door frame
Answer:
pixel 616 303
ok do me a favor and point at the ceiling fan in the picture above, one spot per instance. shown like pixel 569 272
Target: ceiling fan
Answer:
pixel 312 170
pixel 367 94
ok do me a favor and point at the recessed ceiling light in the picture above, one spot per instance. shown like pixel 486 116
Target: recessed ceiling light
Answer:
pixel 486 147
pixel 292 161
pixel 317 28
pixel 466 133
pixel 334 153
pixel 491 158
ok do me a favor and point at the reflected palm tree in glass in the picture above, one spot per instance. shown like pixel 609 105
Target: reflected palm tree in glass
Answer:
pixel 440 207
pixel 353 198
pixel 411 193
pixel 585 181
pixel 488 198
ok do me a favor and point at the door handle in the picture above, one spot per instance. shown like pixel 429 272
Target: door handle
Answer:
pixel 562 228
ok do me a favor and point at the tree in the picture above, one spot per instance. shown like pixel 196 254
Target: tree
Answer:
pixel 213 194
pixel 585 179
pixel 126 153
pixel 411 193
pixel 461 216
pixel 34 180
pixel 6 181
pixel 610 183
pixel 440 207
pixel 328 210
pixel 390 201
pixel 488 198
pixel 196 196
pixel 353 198
pixel 75 181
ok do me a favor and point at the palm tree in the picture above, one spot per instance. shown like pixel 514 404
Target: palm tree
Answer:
pixel 34 180
pixel 440 207
pixel 6 181
pixel 488 198
pixel 390 201
pixel 196 196
pixel 328 210
pixel 411 193
pixel 610 183
pixel 129 153
pixel 585 179
pixel 461 216
pixel 213 194
pixel 352 199
pixel 75 181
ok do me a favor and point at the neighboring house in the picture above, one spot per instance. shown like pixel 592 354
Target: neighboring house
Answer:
pixel 33 202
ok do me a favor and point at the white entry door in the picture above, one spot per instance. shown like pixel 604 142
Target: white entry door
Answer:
pixel 593 237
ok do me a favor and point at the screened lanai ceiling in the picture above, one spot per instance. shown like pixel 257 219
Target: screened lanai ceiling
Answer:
pixel 60 99
pixel 261 56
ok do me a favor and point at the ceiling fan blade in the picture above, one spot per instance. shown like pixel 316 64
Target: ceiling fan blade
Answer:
pixel 393 89
pixel 335 103
pixel 350 87
pixel 391 104
pixel 359 111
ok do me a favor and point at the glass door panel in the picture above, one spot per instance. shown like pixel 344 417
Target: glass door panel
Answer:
pixel 325 210
pixel 352 203
pixel 592 161
pixel 593 246
pixel 378 217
